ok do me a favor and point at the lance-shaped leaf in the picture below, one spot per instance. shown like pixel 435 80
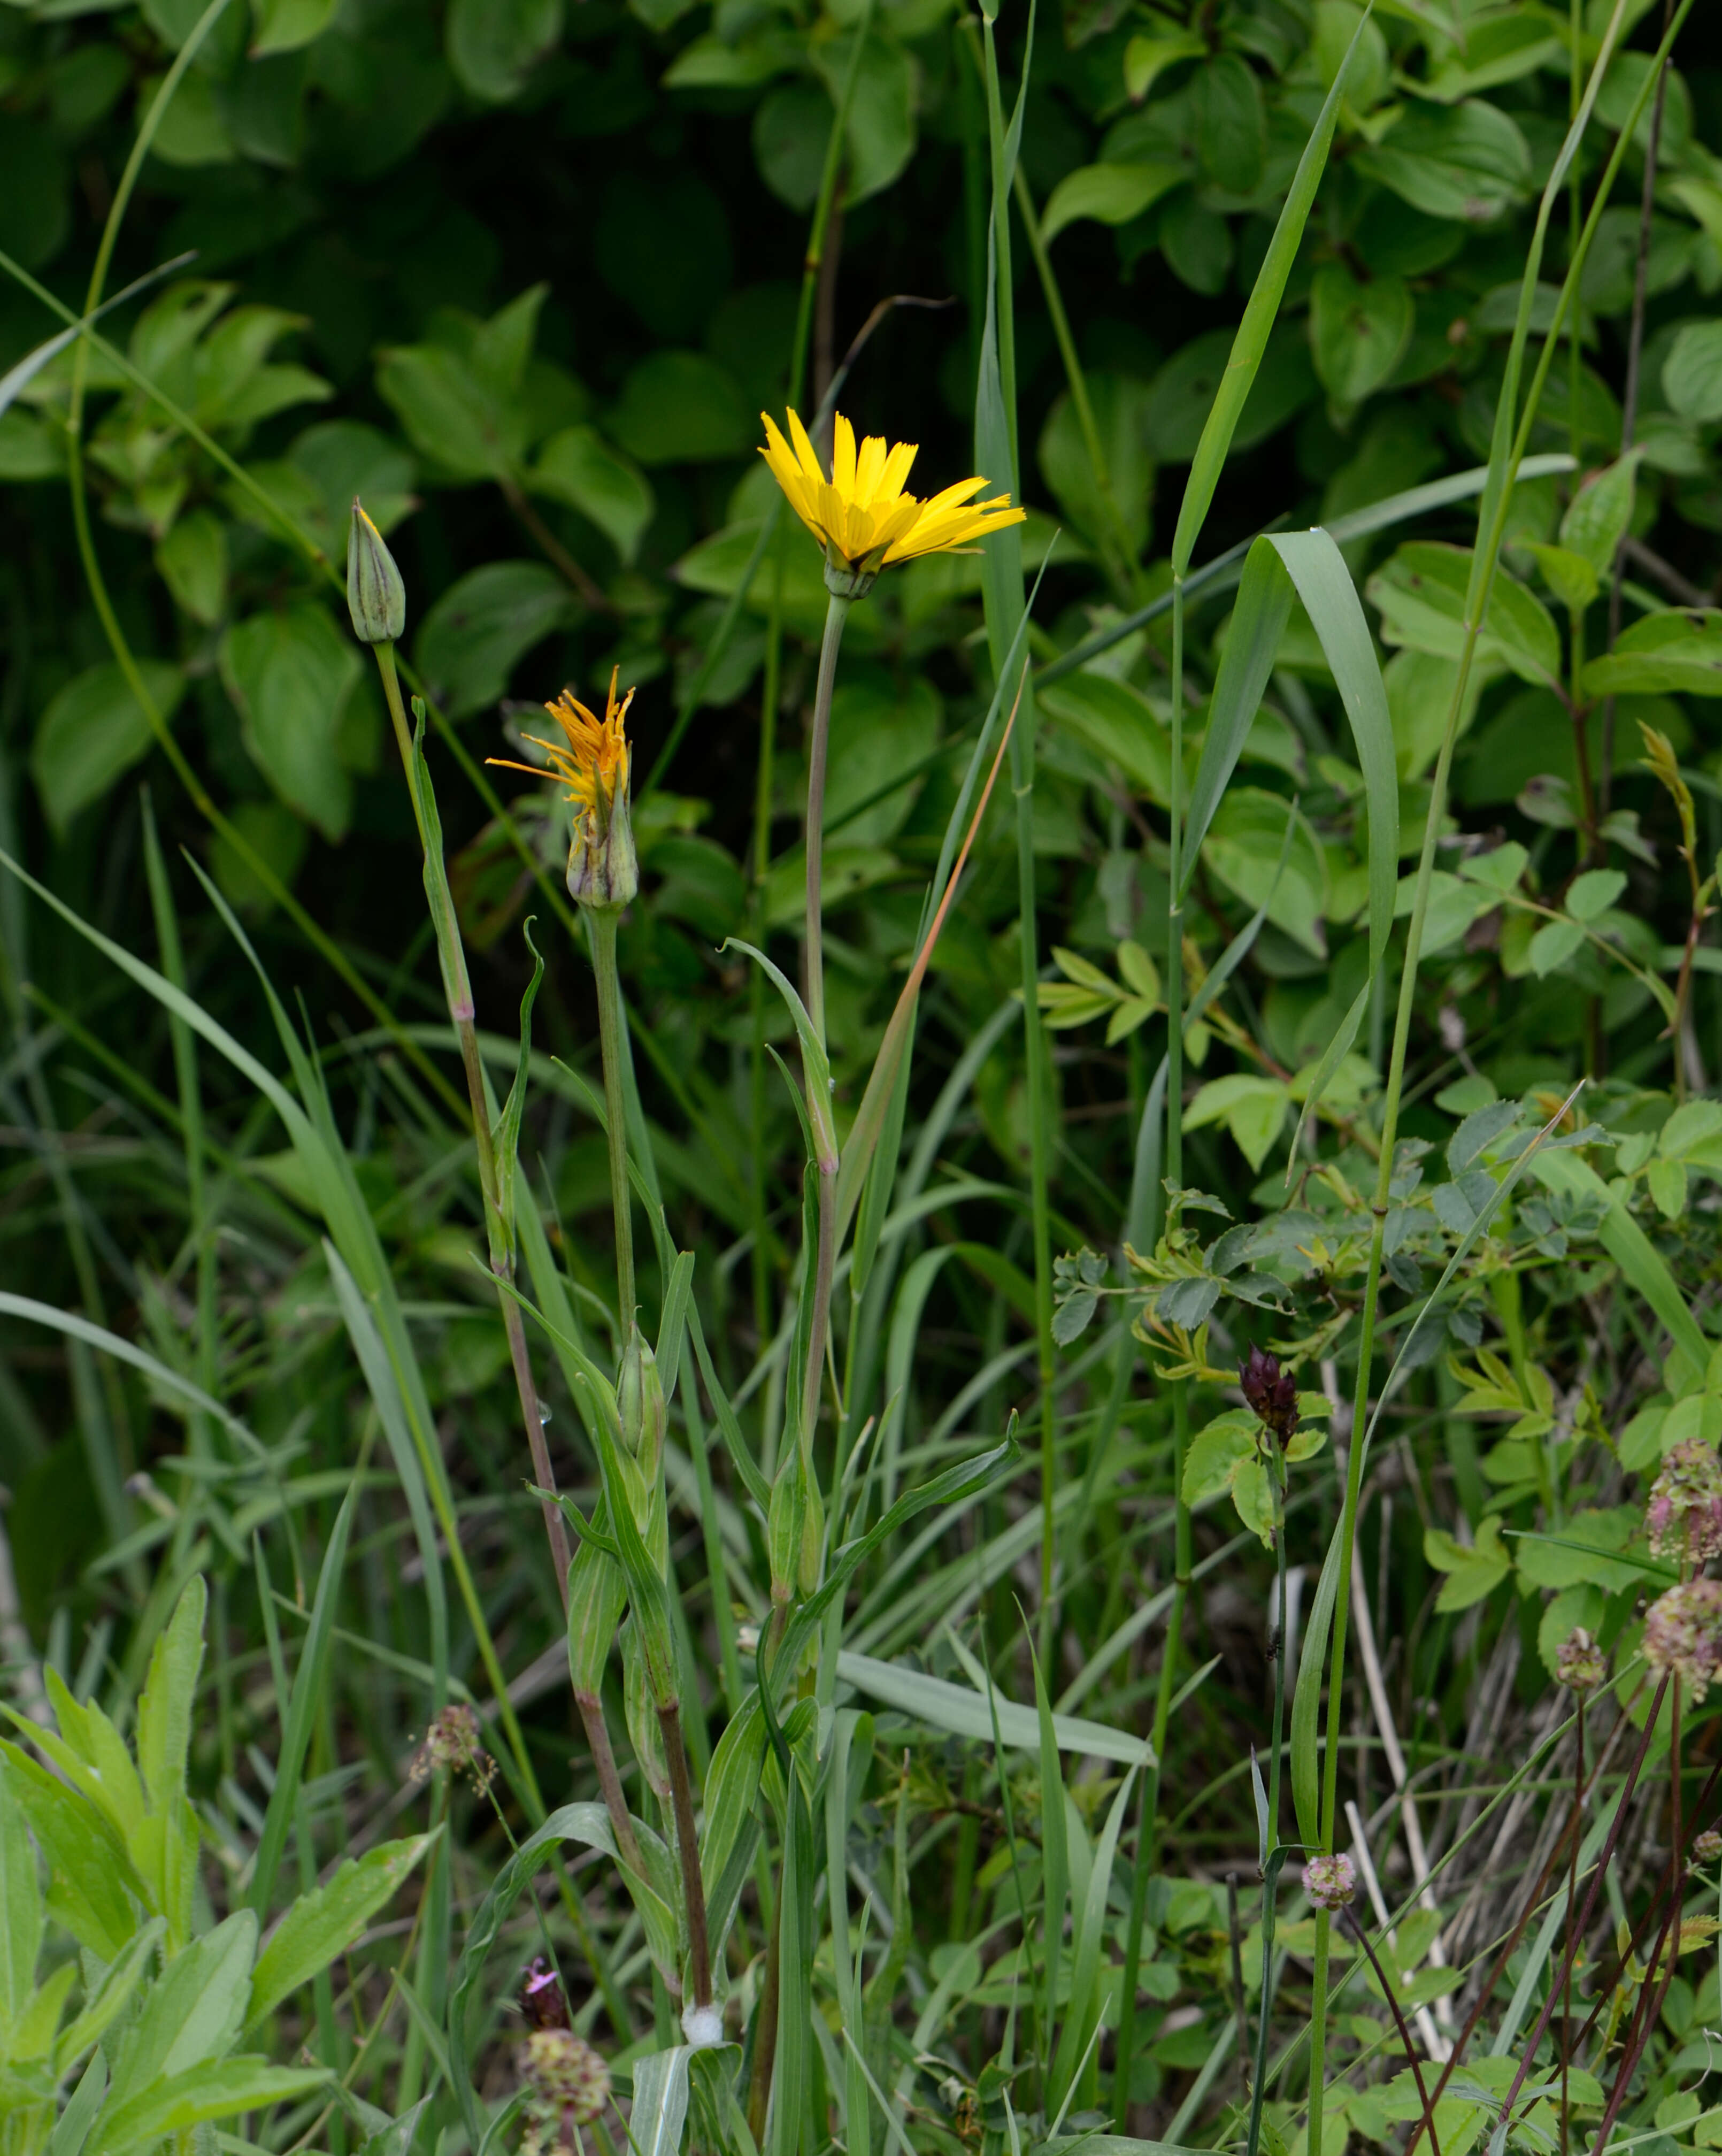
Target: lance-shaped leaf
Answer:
pixel 1251 339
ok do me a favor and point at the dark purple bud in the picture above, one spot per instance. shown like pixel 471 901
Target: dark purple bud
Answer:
pixel 1271 1392
pixel 542 2000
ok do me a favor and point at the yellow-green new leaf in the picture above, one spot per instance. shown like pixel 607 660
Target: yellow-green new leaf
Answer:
pixel 1678 652
pixel 1471 1574
pixel 325 1922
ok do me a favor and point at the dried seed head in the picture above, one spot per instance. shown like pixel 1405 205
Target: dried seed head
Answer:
pixel 566 2077
pixel 452 1741
pixel 1579 1663
pixel 1331 1881
pixel 1271 1392
pixel 1683 1635
pixel 1684 1514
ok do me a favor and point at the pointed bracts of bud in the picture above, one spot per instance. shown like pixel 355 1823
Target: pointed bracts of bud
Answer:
pixel 375 597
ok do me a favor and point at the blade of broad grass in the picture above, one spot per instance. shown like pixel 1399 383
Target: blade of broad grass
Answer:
pixel 1258 620
pixel 792 2068
pixel 1223 573
pixel 1316 566
pixel 197 1401
pixel 201 1228
pixel 659 2109
pixel 391 1413
pixel 980 1713
pixel 1306 1700
pixel 307 1699
pixel 19 376
pixel 841 1792
pixel 1082 2022
pixel 329 1172
pixel 1259 311
pixel 1055 1855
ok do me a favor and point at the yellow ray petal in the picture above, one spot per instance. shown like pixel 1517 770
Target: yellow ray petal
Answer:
pixel 842 457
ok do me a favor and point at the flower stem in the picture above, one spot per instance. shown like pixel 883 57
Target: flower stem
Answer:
pixel 601 924
pixel 681 1791
pixel 1398 2014
pixel 1124 2046
pixel 1270 1876
pixel 458 989
pixel 836 613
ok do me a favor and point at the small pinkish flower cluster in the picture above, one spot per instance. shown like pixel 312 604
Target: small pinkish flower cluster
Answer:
pixel 565 2075
pixel 1329 1881
pixel 1579 1663
pixel 1684 1515
pixel 1683 1635
pixel 1707 1847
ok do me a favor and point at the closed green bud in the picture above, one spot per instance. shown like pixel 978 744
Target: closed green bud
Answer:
pixel 784 1527
pixel 639 1399
pixel 597 1595
pixel 645 1731
pixel 813 1552
pixel 375 597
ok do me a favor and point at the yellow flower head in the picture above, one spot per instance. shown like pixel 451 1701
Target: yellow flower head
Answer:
pixel 861 514
pixel 592 761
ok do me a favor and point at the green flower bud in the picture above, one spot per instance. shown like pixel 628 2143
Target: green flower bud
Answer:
pixel 375 597
pixel 640 1396
pixel 597 1595
pixel 784 1528
pixel 645 1731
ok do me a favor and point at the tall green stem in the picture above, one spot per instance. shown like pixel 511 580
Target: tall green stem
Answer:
pixel 1034 1050
pixel 836 613
pixel 458 988
pixel 1270 1870
pixel 601 925
pixel 1513 432
pixel 1182 1543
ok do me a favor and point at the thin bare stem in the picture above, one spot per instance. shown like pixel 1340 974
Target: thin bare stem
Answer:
pixel 1577 1932
pixel 1629 402
pixel 1399 2022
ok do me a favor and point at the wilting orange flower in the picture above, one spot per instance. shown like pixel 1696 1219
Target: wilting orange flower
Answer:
pixel 592 761
pixel 861 513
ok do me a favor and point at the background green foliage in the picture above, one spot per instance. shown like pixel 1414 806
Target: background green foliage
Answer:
pixel 523 274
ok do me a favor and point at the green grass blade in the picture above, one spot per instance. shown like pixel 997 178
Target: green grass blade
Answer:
pixel 1259 311
pixel 302 1707
pixel 1306 1699
pixel 1317 568
pixel 1265 598
pixel 391 1413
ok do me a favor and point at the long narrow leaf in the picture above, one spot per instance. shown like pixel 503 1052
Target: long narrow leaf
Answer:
pixel 1251 342
pixel 307 1696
